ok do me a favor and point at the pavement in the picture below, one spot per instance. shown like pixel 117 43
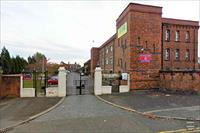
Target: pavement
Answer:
pixel 16 110
pixel 159 103
pixel 86 113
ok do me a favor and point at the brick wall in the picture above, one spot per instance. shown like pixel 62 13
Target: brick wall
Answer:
pixel 180 80
pixel 183 45
pixel 10 85
pixel 94 59
pixel 145 38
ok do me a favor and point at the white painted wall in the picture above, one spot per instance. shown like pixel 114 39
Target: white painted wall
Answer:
pixel 51 91
pixel 26 92
pixel 106 89
pixel 62 82
pixel 125 88
pixel 98 81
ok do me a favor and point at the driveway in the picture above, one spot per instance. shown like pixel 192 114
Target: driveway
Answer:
pixel 162 104
pixel 85 113
pixel 19 109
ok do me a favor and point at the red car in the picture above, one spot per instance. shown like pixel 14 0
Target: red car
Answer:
pixel 27 77
pixel 53 80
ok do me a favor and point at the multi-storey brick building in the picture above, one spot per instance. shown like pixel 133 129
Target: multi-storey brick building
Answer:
pixel 146 43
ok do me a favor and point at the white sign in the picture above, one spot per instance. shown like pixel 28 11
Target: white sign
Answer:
pixel 52 92
pixel 124 76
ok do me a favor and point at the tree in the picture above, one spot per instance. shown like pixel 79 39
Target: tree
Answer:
pixel 6 62
pixel 18 64
pixel 37 62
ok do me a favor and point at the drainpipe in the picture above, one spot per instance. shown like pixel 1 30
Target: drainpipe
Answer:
pixel 113 55
pixel 162 39
pixel 194 49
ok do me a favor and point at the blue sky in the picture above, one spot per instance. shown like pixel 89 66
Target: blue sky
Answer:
pixel 65 30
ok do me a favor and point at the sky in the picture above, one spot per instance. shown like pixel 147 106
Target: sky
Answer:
pixel 66 30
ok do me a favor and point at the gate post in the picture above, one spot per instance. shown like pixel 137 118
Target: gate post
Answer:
pixel 98 81
pixel 62 82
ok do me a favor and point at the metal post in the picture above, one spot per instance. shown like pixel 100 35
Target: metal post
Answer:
pixel 80 91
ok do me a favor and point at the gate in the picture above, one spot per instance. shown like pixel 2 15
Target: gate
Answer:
pixel 37 80
pixel 79 84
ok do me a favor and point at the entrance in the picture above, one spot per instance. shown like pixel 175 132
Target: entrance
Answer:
pixel 78 84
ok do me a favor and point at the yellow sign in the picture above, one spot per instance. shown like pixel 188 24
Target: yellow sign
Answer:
pixel 122 30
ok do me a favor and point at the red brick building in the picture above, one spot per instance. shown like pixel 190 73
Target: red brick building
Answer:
pixel 145 44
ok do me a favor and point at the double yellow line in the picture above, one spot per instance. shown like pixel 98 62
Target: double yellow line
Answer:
pixel 189 130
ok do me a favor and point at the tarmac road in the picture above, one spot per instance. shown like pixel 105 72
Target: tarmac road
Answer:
pixel 86 113
pixel 19 109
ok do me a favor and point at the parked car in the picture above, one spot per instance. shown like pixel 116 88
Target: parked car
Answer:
pixel 27 77
pixel 53 80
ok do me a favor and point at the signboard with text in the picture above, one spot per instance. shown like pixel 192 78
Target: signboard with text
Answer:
pixel 124 76
pixel 122 30
pixel 145 58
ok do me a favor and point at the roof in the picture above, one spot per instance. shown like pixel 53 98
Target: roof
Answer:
pixel 140 8
pixel 108 41
pixel 180 22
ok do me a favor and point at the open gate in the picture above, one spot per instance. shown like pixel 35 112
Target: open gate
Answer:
pixel 37 80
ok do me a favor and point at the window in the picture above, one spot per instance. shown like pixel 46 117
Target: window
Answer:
pixel 167 35
pixel 111 60
pixel 177 54
pixel 111 48
pixel 106 50
pixel 177 36
pixel 167 54
pixel 187 55
pixel 118 62
pixel 106 61
pixel 121 62
pixel 102 61
pixel 187 36
pixel 125 43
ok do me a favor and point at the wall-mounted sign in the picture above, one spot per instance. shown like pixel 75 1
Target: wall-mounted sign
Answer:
pixel 124 76
pixel 145 58
pixel 122 30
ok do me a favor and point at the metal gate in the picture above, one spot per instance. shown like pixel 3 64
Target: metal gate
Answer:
pixel 78 84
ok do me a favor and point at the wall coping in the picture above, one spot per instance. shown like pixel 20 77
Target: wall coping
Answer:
pixel 180 71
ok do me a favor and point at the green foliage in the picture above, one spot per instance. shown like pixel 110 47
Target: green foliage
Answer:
pixel 6 61
pixel 12 65
pixel 37 57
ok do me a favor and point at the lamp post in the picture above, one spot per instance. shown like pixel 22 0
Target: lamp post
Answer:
pixel 1 70
pixel 81 74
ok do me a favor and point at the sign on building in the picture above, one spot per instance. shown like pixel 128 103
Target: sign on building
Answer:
pixel 122 30
pixel 145 58
pixel 124 76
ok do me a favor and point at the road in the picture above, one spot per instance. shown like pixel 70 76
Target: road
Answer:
pixel 86 113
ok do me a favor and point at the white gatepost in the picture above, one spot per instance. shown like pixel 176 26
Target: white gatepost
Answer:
pixel 98 81
pixel 62 82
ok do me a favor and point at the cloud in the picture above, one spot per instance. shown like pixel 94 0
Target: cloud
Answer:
pixel 64 30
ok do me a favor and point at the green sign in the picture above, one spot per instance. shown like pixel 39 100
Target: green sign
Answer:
pixel 122 30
